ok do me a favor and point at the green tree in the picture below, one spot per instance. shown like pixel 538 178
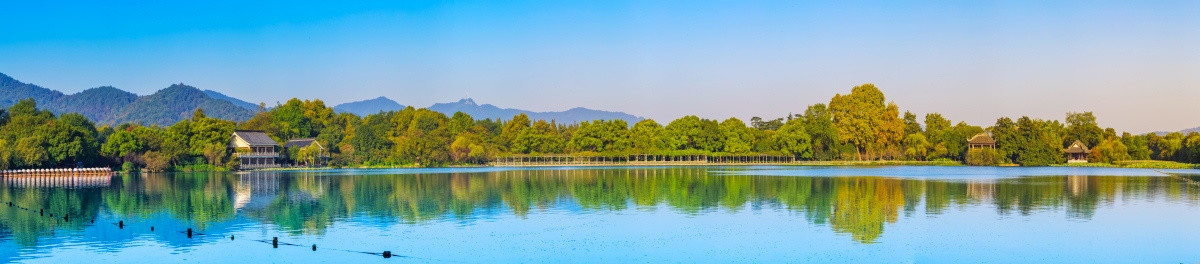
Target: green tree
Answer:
pixel 71 140
pixel 774 124
pixel 1138 147
pixel 215 154
pixel 911 125
pixel 1007 139
pixel 693 133
pixel 890 133
pixel 1109 151
pixel 1083 127
pixel 858 117
pixel 818 122
pixel 514 128
pixel 916 146
pixel 736 136
pixel 982 157
pixel 936 128
pixel 646 136
pixel 1039 142
pixel 791 139
pixel 122 146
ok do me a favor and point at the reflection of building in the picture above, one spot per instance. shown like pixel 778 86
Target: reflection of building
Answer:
pixel 981 191
pixel 254 149
pixel 981 140
pixel 318 159
pixel 1077 184
pixel 1077 152
pixel 255 189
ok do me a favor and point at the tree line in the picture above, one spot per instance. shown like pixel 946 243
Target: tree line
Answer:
pixel 859 125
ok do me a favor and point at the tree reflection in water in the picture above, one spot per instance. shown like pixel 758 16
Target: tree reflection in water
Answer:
pixel 310 203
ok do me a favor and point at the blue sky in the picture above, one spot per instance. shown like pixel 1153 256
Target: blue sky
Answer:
pixel 1135 63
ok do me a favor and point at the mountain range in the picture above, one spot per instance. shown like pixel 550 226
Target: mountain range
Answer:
pixel 570 116
pixel 1185 131
pixel 478 111
pixel 108 105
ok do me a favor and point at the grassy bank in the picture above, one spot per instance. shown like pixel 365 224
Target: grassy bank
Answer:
pixel 1137 164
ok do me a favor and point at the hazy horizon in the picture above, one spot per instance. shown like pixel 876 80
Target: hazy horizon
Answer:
pixel 1135 64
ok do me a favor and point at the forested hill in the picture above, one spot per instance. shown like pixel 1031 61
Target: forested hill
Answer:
pixel 238 102
pixel 175 103
pixel 14 91
pixel 96 104
pixel 109 105
pixel 574 115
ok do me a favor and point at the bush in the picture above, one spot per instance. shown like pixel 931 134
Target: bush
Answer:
pixel 155 162
pixel 982 157
pixel 128 167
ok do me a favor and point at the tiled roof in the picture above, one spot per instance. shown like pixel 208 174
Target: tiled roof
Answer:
pixel 299 143
pixel 981 138
pixel 1077 147
pixel 255 138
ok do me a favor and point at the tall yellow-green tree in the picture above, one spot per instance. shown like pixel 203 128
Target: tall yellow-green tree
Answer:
pixel 866 121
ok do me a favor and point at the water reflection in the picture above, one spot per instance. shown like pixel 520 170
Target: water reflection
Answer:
pixel 312 203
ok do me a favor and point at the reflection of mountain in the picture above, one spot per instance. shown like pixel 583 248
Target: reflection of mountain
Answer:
pixel 309 203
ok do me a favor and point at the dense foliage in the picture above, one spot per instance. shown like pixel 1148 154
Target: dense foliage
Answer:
pixel 860 125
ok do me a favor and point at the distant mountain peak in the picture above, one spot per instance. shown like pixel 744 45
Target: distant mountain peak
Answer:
pixel 570 116
pixel 369 106
pixel 467 101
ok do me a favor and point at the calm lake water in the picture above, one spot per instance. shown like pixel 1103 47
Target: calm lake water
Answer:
pixel 612 215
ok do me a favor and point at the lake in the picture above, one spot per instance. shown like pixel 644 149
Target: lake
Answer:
pixel 610 215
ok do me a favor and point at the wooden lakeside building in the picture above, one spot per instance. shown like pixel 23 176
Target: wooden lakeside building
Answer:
pixel 322 156
pixel 254 149
pixel 639 159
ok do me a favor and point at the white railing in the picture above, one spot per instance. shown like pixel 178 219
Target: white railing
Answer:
pixel 256 154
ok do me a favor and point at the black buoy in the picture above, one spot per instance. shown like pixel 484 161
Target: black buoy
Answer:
pixel 230 237
pixel 51 214
pixel 314 247
pixel 151 228
pixel 275 242
pixel 387 254
pixel 121 224
pixel 41 213
pixel 189 233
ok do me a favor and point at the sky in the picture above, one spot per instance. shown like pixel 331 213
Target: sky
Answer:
pixel 1135 64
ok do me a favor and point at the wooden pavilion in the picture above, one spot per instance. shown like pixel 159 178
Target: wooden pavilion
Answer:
pixel 981 140
pixel 1077 152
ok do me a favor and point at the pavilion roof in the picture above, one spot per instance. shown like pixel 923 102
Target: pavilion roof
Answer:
pixel 1077 147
